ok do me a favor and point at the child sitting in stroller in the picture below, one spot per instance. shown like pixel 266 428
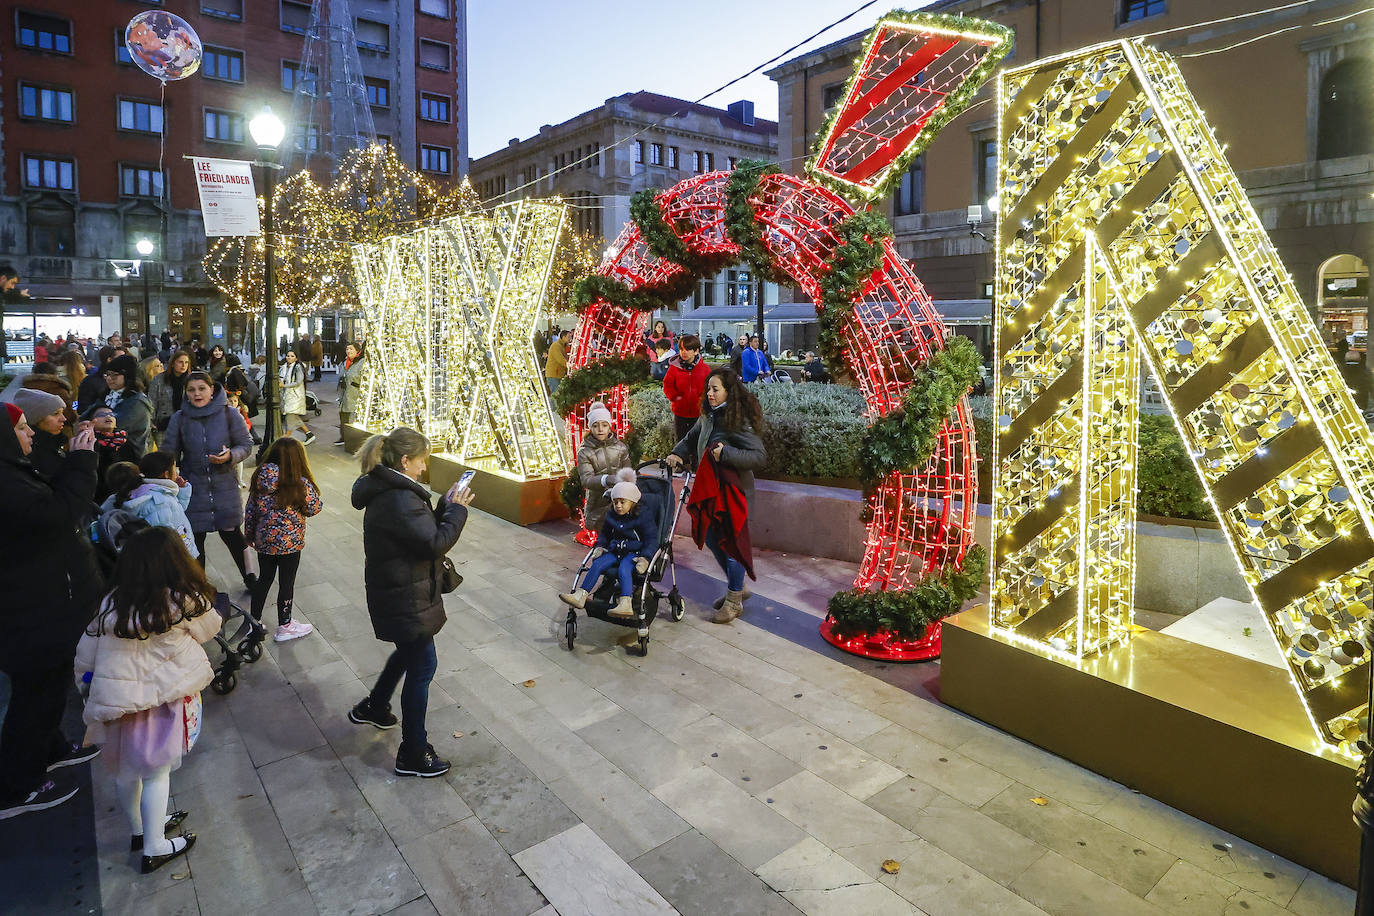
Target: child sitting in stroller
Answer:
pixel 626 542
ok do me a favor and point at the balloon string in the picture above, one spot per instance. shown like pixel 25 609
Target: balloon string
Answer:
pixel 165 198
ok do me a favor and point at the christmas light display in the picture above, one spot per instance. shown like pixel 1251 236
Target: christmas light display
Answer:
pixel 451 310
pixel 1125 231
pixel 884 327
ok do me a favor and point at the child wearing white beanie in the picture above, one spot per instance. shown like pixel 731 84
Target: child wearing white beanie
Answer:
pixel 624 544
pixel 602 459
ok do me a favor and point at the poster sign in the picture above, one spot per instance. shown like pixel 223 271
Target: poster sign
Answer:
pixel 228 201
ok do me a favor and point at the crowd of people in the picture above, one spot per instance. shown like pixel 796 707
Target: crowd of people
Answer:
pixel 123 462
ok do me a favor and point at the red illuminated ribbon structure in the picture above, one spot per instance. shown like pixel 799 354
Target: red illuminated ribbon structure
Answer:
pixel 917 72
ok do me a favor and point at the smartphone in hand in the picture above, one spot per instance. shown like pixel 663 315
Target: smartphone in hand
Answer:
pixel 465 480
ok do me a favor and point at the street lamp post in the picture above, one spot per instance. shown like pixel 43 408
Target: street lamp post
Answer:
pixel 268 131
pixel 145 248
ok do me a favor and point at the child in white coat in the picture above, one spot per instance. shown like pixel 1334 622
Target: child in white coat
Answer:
pixel 145 667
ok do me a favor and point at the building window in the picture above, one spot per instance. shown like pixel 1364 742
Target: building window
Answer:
pixel 121 49
pixel 433 107
pixel 596 154
pixel 49 172
pixel 45 33
pixel 639 151
pixel 434 55
pixel 733 162
pixel 987 169
pixel 140 181
pixel 739 288
pixel 655 153
pixel 224 9
pixel 911 191
pixel 307 137
pixel 295 16
pixel 1135 10
pixel 710 162
pixel 52 232
pixel 436 159
pixel 222 64
pixel 378 92
pixel 373 36
pixel 586 208
pixel 223 126
pixel 832 96
pixel 145 117
pixel 672 158
pixel 705 293
pixel 698 160
pixel 1344 110
pixel 45 104
pixel 384 139
pixel 294 76
pixel 434 8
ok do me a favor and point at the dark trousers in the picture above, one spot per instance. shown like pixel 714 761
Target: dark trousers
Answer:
pixel 344 417
pixel 625 570
pixel 268 565
pixel 318 370
pixel 32 735
pixel 681 427
pixel 233 539
pixel 417 660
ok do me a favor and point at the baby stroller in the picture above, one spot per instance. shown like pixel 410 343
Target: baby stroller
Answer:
pixel 240 640
pixel 240 637
pixel 312 402
pixel 656 496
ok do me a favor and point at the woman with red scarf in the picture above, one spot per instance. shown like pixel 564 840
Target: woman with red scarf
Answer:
pixel 350 386
pixel 724 448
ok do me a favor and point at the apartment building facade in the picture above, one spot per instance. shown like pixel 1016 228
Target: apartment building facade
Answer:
pixel 1287 91
pixel 639 140
pixel 93 148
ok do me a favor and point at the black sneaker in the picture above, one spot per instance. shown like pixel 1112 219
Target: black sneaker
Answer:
pixel 365 714
pixel 340 442
pixel 49 795
pixel 78 753
pixel 426 764
pixel 309 438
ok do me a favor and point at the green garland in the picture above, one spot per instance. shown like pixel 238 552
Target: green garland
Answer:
pixel 597 377
pixel 595 287
pixel 954 104
pixel 573 494
pixel 741 223
pixel 905 438
pixel 663 242
pixel 906 614
pixel 858 254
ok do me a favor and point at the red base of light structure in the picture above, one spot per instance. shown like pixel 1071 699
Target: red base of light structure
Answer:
pixel 886 647
pixel 585 538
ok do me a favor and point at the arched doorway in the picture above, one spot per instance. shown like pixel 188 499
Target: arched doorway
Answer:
pixel 1345 110
pixel 1343 302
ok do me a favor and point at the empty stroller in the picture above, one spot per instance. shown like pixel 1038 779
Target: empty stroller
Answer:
pixel 657 498
pixel 239 639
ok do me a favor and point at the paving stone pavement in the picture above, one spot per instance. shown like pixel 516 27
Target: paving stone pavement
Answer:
pixel 743 769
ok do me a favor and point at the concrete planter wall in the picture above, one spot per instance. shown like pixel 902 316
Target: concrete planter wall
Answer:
pixel 1179 568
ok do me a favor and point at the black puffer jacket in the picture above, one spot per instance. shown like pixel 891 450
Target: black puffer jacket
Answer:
pixel 403 542
pixel 52 583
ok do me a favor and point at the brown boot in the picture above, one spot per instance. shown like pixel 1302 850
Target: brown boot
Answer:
pixel 730 608
pixel 745 595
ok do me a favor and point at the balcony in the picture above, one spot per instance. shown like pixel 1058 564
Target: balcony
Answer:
pixel 49 268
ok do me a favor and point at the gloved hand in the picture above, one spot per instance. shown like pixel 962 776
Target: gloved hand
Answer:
pixel 642 565
pixel 598 552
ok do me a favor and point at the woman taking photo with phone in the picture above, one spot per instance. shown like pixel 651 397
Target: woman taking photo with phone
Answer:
pixel 404 544
pixel 208 438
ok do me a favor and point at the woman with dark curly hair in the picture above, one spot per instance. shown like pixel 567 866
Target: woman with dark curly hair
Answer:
pixel 724 448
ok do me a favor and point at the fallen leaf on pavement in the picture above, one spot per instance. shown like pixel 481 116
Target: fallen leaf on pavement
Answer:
pixel 530 682
pixel 457 734
pixel 178 876
pixel 1040 800
pixel 892 866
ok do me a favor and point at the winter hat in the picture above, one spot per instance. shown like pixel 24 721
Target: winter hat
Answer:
pixel 37 404
pixel 598 413
pixel 124 365
pixel 625 474
pixel 625 490
pixel 15 414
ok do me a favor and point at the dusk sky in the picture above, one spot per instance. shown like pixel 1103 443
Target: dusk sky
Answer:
pixel 535 62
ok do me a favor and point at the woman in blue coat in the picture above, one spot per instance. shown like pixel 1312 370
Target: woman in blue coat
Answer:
pixel 208 438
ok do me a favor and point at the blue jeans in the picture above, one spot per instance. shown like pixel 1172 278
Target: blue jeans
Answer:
pixel 552 384
pixel 417 660
pixel 734 569
pixel 607 561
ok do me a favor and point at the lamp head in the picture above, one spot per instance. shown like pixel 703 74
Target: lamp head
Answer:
pixel 267 129
pixel 144 246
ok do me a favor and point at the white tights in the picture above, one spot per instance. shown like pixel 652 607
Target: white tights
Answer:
pixel 145 802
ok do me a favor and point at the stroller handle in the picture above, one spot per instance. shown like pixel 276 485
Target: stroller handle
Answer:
pixel 662 465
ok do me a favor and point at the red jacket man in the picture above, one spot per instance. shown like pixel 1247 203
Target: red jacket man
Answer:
pixel 685 382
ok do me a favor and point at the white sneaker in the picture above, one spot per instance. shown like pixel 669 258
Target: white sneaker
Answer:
pixel 623 608
pixel 293 630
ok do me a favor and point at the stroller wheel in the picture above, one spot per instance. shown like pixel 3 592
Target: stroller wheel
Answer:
pixel 678 605
pixel 643 646
pixel 224 683
pixel 251 650
pixel 570 629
